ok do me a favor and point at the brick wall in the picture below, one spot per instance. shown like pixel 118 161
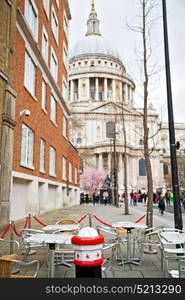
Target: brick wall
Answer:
pixel 39 120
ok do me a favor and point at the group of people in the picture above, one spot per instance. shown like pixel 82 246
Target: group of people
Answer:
pixel 137 197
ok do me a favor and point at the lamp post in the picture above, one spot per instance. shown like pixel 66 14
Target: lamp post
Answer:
pixel 173 145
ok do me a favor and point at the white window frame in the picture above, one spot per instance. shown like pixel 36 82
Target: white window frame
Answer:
pixel 58 3
pixel 64 168
pixel 42 155
pixel 33 27
pixel 53 110
pixel 65 90
pixel 52 161
pixel 44 95
pixel 66 25
pixel 54 67
pixel 27 142
pixel 54 24
pixel 46 4
pixel 45 50
pixel 29 78
pixel 65 56
pixel 70 172
pixel 64 126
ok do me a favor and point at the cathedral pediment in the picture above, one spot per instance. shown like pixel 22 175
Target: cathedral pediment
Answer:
pixel 110 108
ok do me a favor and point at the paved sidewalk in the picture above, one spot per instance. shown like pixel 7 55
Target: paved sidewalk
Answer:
pixel 150 267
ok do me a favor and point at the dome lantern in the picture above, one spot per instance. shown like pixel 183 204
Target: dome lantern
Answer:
pixel 93 22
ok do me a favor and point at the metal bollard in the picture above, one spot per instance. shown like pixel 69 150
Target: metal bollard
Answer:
pixel 88 253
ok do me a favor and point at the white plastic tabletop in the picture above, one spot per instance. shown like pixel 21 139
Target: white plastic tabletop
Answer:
pixel 125 224
pixel 44 238
pixel 61 227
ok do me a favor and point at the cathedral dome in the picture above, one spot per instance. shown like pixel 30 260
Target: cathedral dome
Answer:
pixel 94 45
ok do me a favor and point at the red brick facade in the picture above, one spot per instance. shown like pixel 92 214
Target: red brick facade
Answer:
pixel 39 120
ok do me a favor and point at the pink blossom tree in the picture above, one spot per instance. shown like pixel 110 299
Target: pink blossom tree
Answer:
pixel 92 180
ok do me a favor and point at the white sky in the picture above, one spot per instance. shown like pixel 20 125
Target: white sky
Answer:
pixel 113 15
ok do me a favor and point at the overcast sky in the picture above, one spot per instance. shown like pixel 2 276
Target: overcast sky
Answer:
pixel 114 16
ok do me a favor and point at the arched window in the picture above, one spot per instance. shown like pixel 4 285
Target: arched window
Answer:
pixel 141 142
pixel 79 140
pixel 165 169
pixel 142 167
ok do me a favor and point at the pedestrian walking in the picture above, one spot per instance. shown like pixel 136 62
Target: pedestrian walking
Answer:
pixel 161 205
pixel 167 197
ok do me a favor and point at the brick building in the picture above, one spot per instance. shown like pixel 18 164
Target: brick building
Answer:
pixel 45 172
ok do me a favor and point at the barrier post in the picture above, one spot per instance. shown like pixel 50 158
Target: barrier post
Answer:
pixel 90 220
pixel 88 253
pixel 29 222
pixel 11 237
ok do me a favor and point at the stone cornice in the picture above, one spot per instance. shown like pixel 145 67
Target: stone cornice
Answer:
pixel 4 75
pixel 37 52
pixel 8 121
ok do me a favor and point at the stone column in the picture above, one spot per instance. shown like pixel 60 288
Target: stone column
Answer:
pixel 120 170
pixel 96 89
pixel 79 89
pixel 71 90
pixel 88 88
pixel 100 162
pixel 120 86
pixel 113 89
pixel 105 89
pixel 6 155
pixel 126 92
pixel 109 163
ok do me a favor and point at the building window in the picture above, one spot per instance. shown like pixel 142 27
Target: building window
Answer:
pixel 79 140
pixel 66 26
pixel 141 142
pixel 31 15
pixel 165 169
pixel 70 172
pixel 54 24
pixel 52 161
pixel 64 126
pixel 27 147
pixel 142 167
pixel 54 66
pixel 65 57
pixel 44 89
pixel 64 90
pixel 53 116
pixel 45 44
pixel 64 165
pixel 46 6
pixel 42 156
pixel 29 74
pixel 164 151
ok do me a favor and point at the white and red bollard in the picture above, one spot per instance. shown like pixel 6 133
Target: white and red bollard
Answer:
pixel 88 253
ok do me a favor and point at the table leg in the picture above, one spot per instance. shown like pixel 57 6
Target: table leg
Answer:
pixel 51 271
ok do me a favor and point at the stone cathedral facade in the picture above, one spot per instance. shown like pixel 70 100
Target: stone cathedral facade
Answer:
pixel 101 91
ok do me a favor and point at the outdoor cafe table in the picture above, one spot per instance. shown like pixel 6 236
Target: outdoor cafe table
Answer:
pixel 51 240
pixel 129 226
pixel 61 227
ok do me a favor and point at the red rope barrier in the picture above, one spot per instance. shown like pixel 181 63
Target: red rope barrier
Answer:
pixel 82 219
pixel 5 232
pixel 140 219
pixel 102 221
pixel 25 225
pixel 39 221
